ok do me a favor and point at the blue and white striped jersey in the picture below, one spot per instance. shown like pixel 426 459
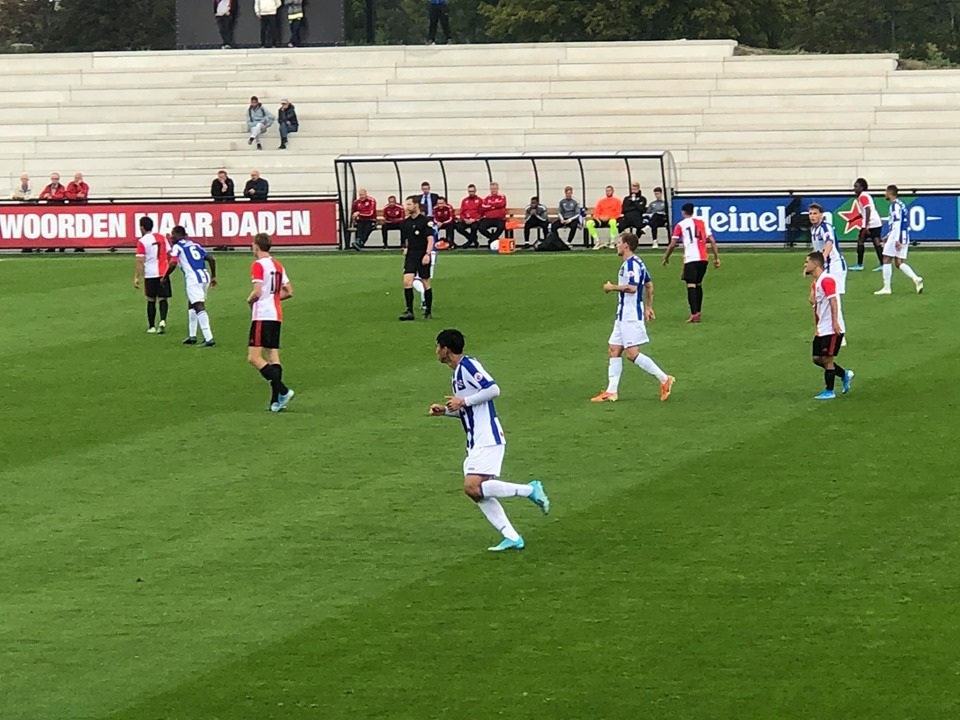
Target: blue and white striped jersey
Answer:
pixel 191 259
pixel 898 222
pixel 819 235
pixel 480 422
pixel 630 305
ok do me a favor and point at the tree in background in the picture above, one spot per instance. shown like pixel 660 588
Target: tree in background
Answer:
pixel 927 30
pixel 89 25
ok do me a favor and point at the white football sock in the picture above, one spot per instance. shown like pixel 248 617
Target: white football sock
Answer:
pixel 204 321
pixel 887 275
pixel 645 363
pixel 614 370
pixel 908 271
pixel 418 286
pixel 192 316
pixel 500 489
pixel 495 513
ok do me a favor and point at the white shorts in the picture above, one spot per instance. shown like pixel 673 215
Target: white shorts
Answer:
pixel 196 291
pixel 839 275
pixel 485 460
pixel 629 333
pixel 890 249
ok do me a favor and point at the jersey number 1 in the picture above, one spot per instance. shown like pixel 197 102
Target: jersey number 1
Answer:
pixel 276 280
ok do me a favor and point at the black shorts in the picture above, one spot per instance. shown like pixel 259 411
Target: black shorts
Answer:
pixel 265 334
pixel 153 288
pixel 412 264
pixel 694 272
pixel 827 345
pixel 874 234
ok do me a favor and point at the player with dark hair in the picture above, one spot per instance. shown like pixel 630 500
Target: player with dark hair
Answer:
pixel 693 234
pixel 472 403
pixel 271 287
pixel 193 260
pixel 629 328
pixel 416 234
pixel 828 320
pixel 897 243
pixel 870 223
pixel 153 258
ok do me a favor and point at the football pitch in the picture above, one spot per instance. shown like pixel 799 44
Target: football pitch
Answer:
pixel 169 550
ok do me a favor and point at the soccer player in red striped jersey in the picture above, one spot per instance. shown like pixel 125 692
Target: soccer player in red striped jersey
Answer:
pixel 153 258
pixel 271 287
pixel 693 234
pixel 828 319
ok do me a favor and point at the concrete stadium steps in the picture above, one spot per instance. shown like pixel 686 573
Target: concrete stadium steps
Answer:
pixel 142 122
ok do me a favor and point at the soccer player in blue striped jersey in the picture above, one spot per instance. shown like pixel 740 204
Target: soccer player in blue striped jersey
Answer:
pixel 193 260
pixel 896 243
pixel 824 240
pixel 629 329
pixel 472 402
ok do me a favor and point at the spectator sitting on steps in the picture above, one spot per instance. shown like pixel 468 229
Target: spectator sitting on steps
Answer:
pixel 257 188
pixel 78 192
pixel 258 120
pixel 22 191
pixel 221 190
pixel 287 121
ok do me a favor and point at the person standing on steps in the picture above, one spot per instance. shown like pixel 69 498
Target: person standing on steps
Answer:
pixel 295 18
pixel 439 13
pixel 268 12
pixel 225 11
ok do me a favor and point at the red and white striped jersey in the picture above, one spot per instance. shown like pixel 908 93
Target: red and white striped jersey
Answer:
pixel 825 288
pixel 154 248
pixel 693 234
pixel 271 276
pixel 864 201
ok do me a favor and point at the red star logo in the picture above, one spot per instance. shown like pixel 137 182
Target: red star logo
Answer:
pixel 852 216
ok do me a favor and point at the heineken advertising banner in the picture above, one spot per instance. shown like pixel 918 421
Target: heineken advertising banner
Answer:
pixel 754 218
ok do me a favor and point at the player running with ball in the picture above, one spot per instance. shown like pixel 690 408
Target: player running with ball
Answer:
pixel 472 402
pixel 629 330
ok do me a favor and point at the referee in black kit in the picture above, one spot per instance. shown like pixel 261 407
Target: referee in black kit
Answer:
pixel 416 233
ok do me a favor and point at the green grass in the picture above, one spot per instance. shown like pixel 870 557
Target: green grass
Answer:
pixel 169 550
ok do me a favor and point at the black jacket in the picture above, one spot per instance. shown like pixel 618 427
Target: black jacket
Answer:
pixel 288 117
pixel 433 201
pixel 260 187
pixel 218 193
pixel 634 204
